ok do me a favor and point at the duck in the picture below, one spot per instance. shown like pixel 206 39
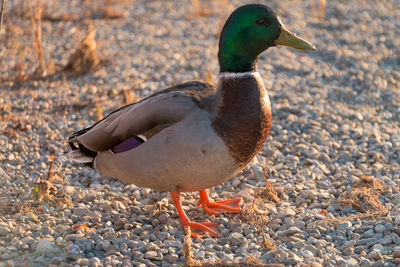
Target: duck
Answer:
pixel 194 135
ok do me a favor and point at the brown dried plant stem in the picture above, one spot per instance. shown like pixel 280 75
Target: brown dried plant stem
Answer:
pixel 2 13
pixel 36 20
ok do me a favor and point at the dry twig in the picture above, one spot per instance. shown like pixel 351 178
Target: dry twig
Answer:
pixel 364 196
pixel 36 20
pixel 268 192
pixel 107 12
pixel 1 14
pixel 318 8
pixel 66 16
pixel 199 10
pixel 44 190
pixel 128 96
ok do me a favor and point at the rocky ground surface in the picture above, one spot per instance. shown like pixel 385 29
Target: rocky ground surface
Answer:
pixel 332 158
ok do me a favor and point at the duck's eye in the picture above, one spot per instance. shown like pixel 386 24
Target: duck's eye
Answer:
pixel 260 21
pixel 263 21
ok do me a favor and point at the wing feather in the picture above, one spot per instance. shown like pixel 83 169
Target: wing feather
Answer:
pixel 146 117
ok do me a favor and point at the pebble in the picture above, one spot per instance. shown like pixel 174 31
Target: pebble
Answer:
pixel 153 255
pixel 380 228
pixel 374 255
pixel 365 263
pixel 200 255
pixel 344 225
pixel 378 247
pixel 235 239
pixel 307 254
pixel 386 240
pixel 396 252
pixel 351 262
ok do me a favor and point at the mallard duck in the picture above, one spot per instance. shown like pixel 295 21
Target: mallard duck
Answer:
pixel 194 135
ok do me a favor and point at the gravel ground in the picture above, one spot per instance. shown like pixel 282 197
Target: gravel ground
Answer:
pixel 333 149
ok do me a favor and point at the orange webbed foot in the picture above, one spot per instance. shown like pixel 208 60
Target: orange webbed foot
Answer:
pixel 218 207
pixel 196 228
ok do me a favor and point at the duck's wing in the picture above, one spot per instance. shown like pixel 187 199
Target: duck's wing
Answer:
pixel 146 118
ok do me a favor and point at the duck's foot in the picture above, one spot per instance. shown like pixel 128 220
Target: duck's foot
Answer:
pixel 200 228
pixel 218 207
pixel 195 228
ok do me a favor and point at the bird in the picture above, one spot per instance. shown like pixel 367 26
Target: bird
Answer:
pixel 194 135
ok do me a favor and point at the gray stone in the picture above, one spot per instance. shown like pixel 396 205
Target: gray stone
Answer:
pixel 365 263
pixel 351 262
pixel 81 212
pixel 378 247
pixel 386 240
pixel 200 255
pixel 368 234
pixel 396 252
pixel 172 258
pixel 306 253
pixel 4 231
pixel 380 228
pixel 348 244
pixel 345 225
pixel 236 239
pixel 153 255
pixel 378 263
pixel 374 255
pixel 367 241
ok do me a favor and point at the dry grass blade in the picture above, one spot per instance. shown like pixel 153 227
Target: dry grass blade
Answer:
pixel 333 221
pixel 84 59
pixel 1 14
pixel 12 208
pixel 128 96
pixel 36 20
pixel 318 8
pixel 268 192
pixel 44 190
pixel 364 196
pixel 109 13
pixel 187 249
pixel 368 182
pixel 361 199
pixel 251 214
pixel 199 10
pixel 251 261
pixel 66 16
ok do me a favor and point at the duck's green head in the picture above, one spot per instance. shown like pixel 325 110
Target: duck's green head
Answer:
pixel 250 30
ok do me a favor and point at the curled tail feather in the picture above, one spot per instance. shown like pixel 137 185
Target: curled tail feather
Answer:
pixel 80 153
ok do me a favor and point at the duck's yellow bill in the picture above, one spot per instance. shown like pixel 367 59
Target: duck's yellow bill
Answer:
pixel 288 38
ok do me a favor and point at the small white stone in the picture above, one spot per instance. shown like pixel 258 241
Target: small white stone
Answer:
pixel 200 255
pixel 43 245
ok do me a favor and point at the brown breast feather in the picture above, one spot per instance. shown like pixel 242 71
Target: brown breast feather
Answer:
pixel 243 120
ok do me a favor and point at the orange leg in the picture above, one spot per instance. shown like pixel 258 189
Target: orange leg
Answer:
pixel 195 228
pixel 218 207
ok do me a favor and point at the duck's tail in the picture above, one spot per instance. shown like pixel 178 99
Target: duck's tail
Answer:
pixel 80 153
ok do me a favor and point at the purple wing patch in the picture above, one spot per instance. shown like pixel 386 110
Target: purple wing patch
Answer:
pixel 128 144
